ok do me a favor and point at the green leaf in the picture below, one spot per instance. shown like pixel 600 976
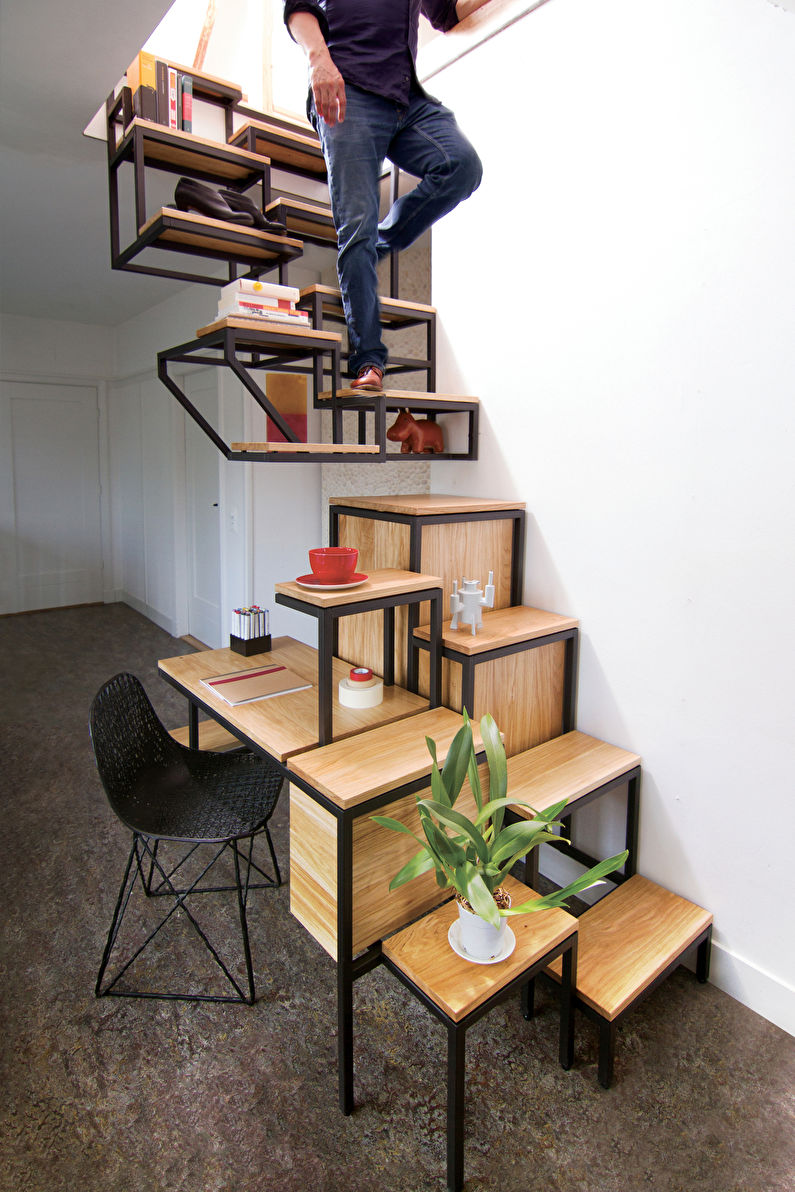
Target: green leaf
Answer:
pixel 429 741
pixel 498 766
pixel 489 808
pixel 438 789
pixel 455 766
pixel 421 862
pixel 518 839
pixel 557 898
pixel 387 822
pixel 454 819
pixel 470 883
pixel 448 854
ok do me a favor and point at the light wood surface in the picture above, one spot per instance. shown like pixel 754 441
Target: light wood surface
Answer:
pixel 523 692
pixel 384 582
pixel 285 724
pixel 627 939
pixel 380 544
pixel 284 147
pixel 186 150
pixel 308 219
pixel 458 987
pixel 267 327
pixel 567 767
pixel 198 230
pixel 379 760
pixel 282 448
pixel 502 627
pixel 426 504
pixel 212 736
pixel 313 868
pixel 409 396
pixel 392 309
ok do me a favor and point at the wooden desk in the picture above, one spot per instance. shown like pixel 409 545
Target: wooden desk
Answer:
pixel 285 724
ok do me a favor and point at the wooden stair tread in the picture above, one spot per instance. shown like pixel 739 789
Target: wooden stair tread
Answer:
pixel 382 759
pixel 423 953
pixel 268 327
pixel 629 938
pixel 301 218
pixel 290 150
pixel 282 448
pixel 426 504
pixel 170 226
pixel 567 767
pixel 187 150
pixel 405 397
pixel 393 310
pixel 383 581
pixel 502 627
pixel 212 736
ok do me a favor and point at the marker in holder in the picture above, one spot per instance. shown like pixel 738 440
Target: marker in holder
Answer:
pixel 250 634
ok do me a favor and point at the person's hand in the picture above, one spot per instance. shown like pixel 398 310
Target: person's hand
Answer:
pixel 328 89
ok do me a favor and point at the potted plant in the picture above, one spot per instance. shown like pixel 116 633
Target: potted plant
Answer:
pixel 473 856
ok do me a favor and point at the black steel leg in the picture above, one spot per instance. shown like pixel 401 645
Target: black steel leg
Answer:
pixel 633 807
pixel 529 999
pixel 345 962
pixel 456 1072
pixel 703 957
pixel 607 1052
pixel 193 725
pixel 568 982
pixel 389 647
pixel 325 703
pixel 435 651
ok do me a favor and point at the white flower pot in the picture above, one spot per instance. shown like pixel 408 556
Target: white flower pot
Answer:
pixel 479 939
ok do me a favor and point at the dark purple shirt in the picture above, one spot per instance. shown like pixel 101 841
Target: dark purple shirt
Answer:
pixel 373 43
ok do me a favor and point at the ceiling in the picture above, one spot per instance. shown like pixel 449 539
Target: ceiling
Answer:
pixel 58 62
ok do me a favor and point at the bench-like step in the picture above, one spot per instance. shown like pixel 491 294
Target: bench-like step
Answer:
pixel 629 942
pixel 296 151
pixel 395 312
pixel 310 221
pixel 199 235
pixel 281 448
pixel 212 736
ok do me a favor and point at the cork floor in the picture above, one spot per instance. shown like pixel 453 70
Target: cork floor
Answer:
pixel 144 1096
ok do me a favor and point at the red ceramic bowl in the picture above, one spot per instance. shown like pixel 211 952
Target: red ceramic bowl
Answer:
pixel 336 564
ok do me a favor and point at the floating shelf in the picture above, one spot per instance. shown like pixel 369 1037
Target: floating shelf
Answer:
pixel 311 221
pixel 297 152
pixel 185 153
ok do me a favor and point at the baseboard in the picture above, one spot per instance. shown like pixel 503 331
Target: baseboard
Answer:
pixel 762 992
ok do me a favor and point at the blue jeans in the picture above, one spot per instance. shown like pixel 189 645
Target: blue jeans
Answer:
pixel 424 140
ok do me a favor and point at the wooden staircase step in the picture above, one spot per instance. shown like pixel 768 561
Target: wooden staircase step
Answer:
pixel 212 736
pixel 427 504
pixel 395 312
pixel 567 767
pixel 310 221
pixel 180 151
pixel 410 399
pixel 502 627
pixel 296 151
pixel 186 231
pixel 308 449
pixel 628 939
pixel 262 329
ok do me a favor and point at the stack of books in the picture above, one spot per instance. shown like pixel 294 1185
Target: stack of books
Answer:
pixel 250 299
pixel 160 92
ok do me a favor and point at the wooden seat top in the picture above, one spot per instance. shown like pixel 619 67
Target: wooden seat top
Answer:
pixel 567 767
pixel 426 504
pixel 459 986
pixel 384 581
pixel 385 758
pixel 628 939
pixel 502 627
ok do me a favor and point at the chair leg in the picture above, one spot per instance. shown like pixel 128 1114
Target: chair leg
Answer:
pixel 118 915
pixel 242 898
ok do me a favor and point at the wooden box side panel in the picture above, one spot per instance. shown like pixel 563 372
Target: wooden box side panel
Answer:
pixel 313 869
pixel 378 854
pixel 361 637
pixel 468 550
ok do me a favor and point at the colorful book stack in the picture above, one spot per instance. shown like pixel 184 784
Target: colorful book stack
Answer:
pixel 161 93
pixel 246 299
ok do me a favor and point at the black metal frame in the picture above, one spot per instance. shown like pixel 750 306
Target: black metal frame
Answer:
pixel 328 623
pixel 456 1038
pixel 241 351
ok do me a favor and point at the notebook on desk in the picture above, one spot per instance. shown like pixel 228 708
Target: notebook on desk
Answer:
pixel 261 682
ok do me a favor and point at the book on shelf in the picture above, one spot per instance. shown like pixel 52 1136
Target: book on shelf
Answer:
pixel 266 289
pixel 142 81
pixel 173 97
pixel 261 682
pixel 186 102
pixel 244 310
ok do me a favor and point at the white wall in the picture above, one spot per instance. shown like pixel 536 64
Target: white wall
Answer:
pixel 633 345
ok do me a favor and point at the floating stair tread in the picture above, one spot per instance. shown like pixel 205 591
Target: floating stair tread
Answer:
pixel 299 150
pixel 426 504
pixel 282 448
pixel 212 736
pixel 382 759
pixel 385 581
pixel 267 328
pixel 186 150
pixel 457 986
pixel 404 397
pixel 502 627
pixel 393 310
pixel 567 767
pixel 301 218
pixel 217 235
pixel 628 939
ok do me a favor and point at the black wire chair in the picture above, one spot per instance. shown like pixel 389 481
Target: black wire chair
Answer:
pixel 165 792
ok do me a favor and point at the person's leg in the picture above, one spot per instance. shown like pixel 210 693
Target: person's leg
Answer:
pixel 428 144
pixel 354 153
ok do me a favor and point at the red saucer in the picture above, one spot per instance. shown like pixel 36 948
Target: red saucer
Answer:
pixel 314 581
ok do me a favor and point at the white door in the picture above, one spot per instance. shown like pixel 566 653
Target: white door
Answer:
pixel 50 524
pixel 202 471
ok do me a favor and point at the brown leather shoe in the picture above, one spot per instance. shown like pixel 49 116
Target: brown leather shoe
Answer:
pixel 370 377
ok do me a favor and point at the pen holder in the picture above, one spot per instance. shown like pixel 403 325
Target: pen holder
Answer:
pixel 250 645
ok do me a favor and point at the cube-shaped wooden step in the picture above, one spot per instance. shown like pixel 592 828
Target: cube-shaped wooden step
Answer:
pixel 629 942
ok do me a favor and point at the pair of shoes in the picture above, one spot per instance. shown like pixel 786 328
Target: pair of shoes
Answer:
pixel 192 196
pixel 240 202
pixel 370 377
